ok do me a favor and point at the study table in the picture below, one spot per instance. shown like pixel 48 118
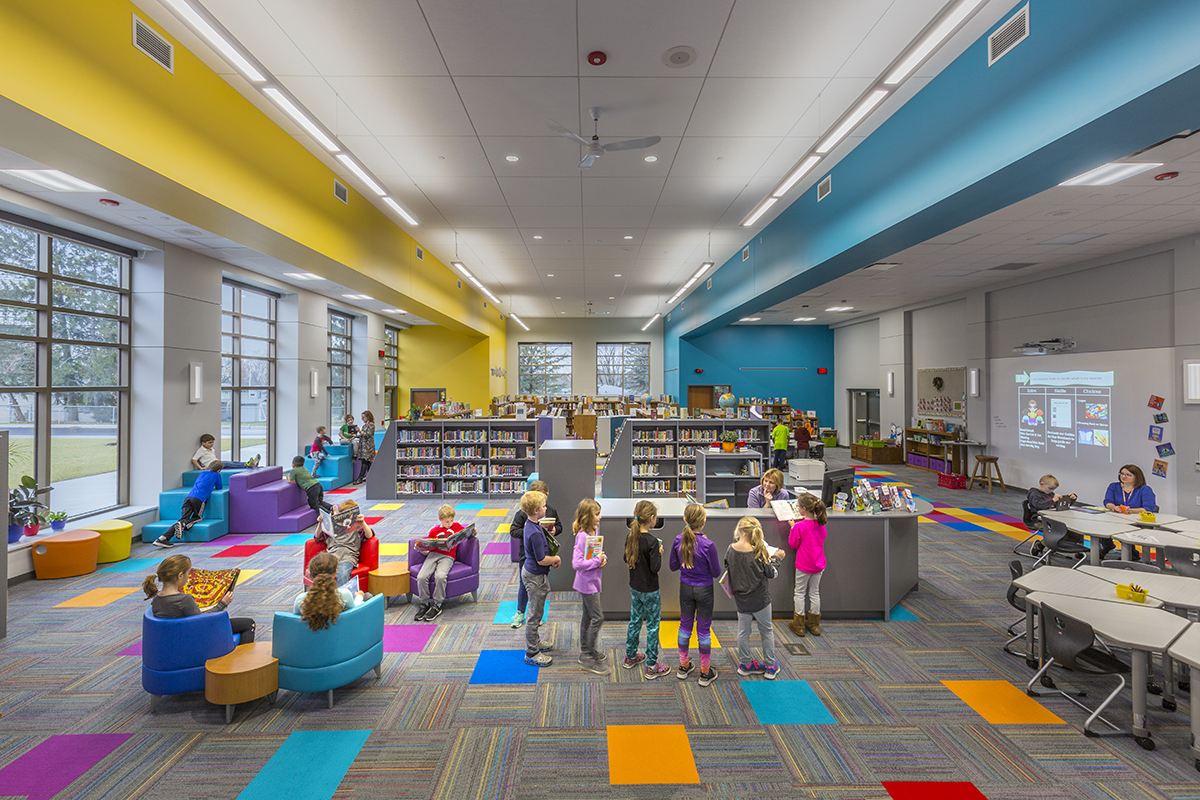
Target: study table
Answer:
pixel 1191 526
pixel 1141 629
pixel 1157 538
pixel 1095 526
pixel 1187 649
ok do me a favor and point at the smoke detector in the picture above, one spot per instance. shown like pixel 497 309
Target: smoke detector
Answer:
pixel 680 57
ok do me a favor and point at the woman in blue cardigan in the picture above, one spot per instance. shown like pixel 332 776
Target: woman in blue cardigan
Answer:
pixel 1130 494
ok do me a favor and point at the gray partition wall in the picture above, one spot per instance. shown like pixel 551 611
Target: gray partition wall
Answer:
pixel 4 561
pixel 568 467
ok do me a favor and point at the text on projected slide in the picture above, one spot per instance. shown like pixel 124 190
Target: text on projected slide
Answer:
pixel 1066 412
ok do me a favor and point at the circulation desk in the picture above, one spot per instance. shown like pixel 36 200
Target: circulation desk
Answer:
pixel 872 559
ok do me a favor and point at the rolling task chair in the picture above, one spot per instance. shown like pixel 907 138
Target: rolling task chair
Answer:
pixel 1057 544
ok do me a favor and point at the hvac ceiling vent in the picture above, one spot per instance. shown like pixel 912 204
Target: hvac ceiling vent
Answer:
pixel 149 42
pixel 1008 35
pixel 341 192
pixel 824 188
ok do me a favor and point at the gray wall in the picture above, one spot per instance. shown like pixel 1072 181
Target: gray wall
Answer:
pixel 584 334
pixel 856 352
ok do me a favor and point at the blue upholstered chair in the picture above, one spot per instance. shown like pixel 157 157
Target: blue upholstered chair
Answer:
pixel 321 661
pixel 464 574
pixel 174 651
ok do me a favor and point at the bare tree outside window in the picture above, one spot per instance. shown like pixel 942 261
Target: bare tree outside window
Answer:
pixel 623 368
pixel 544 368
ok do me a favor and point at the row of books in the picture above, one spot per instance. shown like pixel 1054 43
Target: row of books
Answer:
pixel 403 436
pixel 430 471
pixel 649 470
pixel 654 452
pixel 477 435
pixel 464 452
pixel 467 471
pixel 652 487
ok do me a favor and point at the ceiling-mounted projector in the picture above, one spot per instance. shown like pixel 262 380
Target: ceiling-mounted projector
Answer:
pixel 1045 346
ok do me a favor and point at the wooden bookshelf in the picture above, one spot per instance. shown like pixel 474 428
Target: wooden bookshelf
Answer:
pixel 927 449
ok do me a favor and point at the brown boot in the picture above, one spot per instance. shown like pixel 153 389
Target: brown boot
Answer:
pixel 813 621
pixel 797 624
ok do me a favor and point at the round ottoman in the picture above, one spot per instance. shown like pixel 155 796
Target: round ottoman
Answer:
pixel 116 535
pixel 65 555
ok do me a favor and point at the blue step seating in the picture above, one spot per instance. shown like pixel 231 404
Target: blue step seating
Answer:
pixel 336 470
pixel 215 523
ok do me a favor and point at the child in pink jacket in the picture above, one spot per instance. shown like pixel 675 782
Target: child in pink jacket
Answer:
pixel 587 583
pixel 808 540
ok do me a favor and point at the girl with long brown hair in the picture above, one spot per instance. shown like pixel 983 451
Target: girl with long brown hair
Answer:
pixel 750 566
pixel 587 583
pixel 643 555
pixel 171 602
pixel 694 556
pixel 324 600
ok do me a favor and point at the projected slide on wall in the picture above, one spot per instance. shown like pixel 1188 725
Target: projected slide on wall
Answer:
pixel 1067 413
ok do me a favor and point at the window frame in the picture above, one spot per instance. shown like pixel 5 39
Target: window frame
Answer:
pixel 391 373
pixel 347 366
pixel 235 386
pixel 624 366
pixel 540 379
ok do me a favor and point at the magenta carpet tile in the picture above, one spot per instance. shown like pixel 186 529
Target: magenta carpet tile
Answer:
pixel 496 549
pixel 56 763
pixel 406 638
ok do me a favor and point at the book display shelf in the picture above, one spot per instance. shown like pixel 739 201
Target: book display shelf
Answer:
pixel 927 449
pixel 658 456
pixel 462 458
pixel 772 412
pixel 716 472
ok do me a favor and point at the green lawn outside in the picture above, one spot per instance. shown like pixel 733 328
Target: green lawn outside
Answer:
pixel 71 457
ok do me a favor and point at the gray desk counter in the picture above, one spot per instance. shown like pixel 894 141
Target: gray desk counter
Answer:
pixel 872 559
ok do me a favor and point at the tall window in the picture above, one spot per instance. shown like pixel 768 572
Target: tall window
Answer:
pixel 64 367
pixel 544 368
pixel 247 372
pixel 623 368
pixel 340 362
pixel 391 372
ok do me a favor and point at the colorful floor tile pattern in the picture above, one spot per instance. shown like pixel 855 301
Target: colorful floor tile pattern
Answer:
pixel 924 706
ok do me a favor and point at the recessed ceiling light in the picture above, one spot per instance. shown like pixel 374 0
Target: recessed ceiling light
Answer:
pixel 1108 174
pixel 558 298
pixel 357 296
pixel 562 312
pixel 840 308
pixel 394 311
pixel 628 237
pixel 303 276
pixel 749 319
pixel 612 298
pixel 1072 238
pixel 537 237
pixel 617 275
pixel 549 274
pixel 804 319
pixel 650 159
pixel 512 158
pixel 930 42
pixel 53 179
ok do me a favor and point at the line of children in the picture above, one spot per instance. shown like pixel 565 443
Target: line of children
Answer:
pixel 588 573
pixel 750 566
pixel 694 557
pixel 437 565
pixel 807 538
pixel 535 574
pixel 171 602
pixel 643 555
pixel 322 602
pixel 516 530
pixel 193 504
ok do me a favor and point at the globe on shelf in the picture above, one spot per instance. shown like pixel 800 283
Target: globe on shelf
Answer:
pixel 727 401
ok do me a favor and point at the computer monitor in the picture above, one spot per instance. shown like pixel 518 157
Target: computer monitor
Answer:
pixel 835 482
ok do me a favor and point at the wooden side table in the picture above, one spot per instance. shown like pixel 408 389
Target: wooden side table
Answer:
pixel 246 674
pixel 389 579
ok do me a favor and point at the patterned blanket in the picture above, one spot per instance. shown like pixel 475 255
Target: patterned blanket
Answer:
pixel 209 586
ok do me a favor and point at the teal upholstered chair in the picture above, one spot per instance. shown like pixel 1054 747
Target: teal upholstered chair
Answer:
pixel 321 661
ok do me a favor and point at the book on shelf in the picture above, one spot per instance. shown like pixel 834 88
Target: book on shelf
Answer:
pixel 446 542
pixel 595 546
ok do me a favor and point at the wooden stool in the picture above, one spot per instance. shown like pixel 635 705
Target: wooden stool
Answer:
pixel 116 535
pixel 66 555
pixel 246 674
pixel 389 579
pixel 987 462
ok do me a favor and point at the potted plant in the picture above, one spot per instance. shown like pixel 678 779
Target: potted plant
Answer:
pixel 57 519
pixel 414 413
pixel 728 441
pixel 24 509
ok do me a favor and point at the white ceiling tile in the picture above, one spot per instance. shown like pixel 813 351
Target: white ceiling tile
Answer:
pixel 707 191
pixel 635 34
pixel 493 237
pixel 421 156
pixel 722 156
pixel 460 190
pixel 359 37
pixel 593 253
pixel 598 191
pixel 258 31
pixel 834 101
pixel 478 216
pixel 614 236
pixel 540 156
pixel 885 41
pixel 563 192
pixel 318 96
pixel 547 216
pixel 620 216
pixel 753 106
pixel 533 37
pixel 674 216
pixel 373 155
pixel 636 107
pixel 405 106
pixel 520 106
pixel 675 236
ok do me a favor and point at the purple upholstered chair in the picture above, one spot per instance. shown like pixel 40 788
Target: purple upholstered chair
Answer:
pixel 464 574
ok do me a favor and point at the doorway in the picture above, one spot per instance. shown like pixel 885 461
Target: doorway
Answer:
pixel 700 397
pixel 864 413
pixel 426 397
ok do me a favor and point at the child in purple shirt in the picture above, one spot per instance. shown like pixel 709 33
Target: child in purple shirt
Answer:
pixel 694 557
pixel 587 583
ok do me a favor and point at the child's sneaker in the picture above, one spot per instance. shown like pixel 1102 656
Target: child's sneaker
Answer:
pixel 432 613
pixel 753 668
pixel 684 670
pixel 630 663
pixel 540 660
pixel 602 657
pixel 545 647
pixel 593 666
pixel 656 671
pixel 176 531
pixel 518 619
pixel 421 612
pixel 163 543
pixel 708 677
pixel 771 671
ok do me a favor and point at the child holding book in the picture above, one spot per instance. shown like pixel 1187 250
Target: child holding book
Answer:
pixel 552 524
pixel 171 602
pixel 694 557
pixel 321 603
pixel 344 545
pixel 535 573
pixel 587 582
pixel 750 566
pixel 807 538
pixel 643 555
pixel 437 565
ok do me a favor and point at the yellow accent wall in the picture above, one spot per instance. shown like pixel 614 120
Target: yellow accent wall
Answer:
pixel 189 145
pixel 435 358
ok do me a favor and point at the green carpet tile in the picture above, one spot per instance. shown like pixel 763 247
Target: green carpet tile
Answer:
pixel 435 734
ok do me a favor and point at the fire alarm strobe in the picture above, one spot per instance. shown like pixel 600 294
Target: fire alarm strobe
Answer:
pixel 597 58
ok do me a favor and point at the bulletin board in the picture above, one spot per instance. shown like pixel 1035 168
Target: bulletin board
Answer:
pixel 950 400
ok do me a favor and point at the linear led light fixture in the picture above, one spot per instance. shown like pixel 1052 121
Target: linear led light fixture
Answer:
pixel 400 311
pixel 852 119
pixel 402 211
pixel 53 179
pixel 749 319
pixel 691 281
pixel 357 296
pixel 475 281
pixel 361 173
pixel 491 296
pixel 840 308
pixel 762 209
pixel 522 324
pixel 798 173
pixel 1108 174
pixel 651 321
pixel 290 108
pixel 303 276
pixel 206 29
pixel 931 42
pixel 459 266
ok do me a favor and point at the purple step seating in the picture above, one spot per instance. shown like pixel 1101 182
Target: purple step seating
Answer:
pixel 261 501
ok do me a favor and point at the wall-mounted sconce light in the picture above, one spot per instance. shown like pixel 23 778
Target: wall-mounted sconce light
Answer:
pixel 891 384
pixel 973 382
pixel 378 384
pixel 313 378
pixel 196 382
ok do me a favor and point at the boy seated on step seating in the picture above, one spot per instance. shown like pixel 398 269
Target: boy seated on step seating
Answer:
pixel 311 487
pixel 204 455
pixel 193 504
pixel 348 434
pixel 347 544
pixel 1043 498
pixel 317 451
pixel 437 564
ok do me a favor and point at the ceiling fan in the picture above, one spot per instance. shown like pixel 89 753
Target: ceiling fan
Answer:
pixel 594 148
